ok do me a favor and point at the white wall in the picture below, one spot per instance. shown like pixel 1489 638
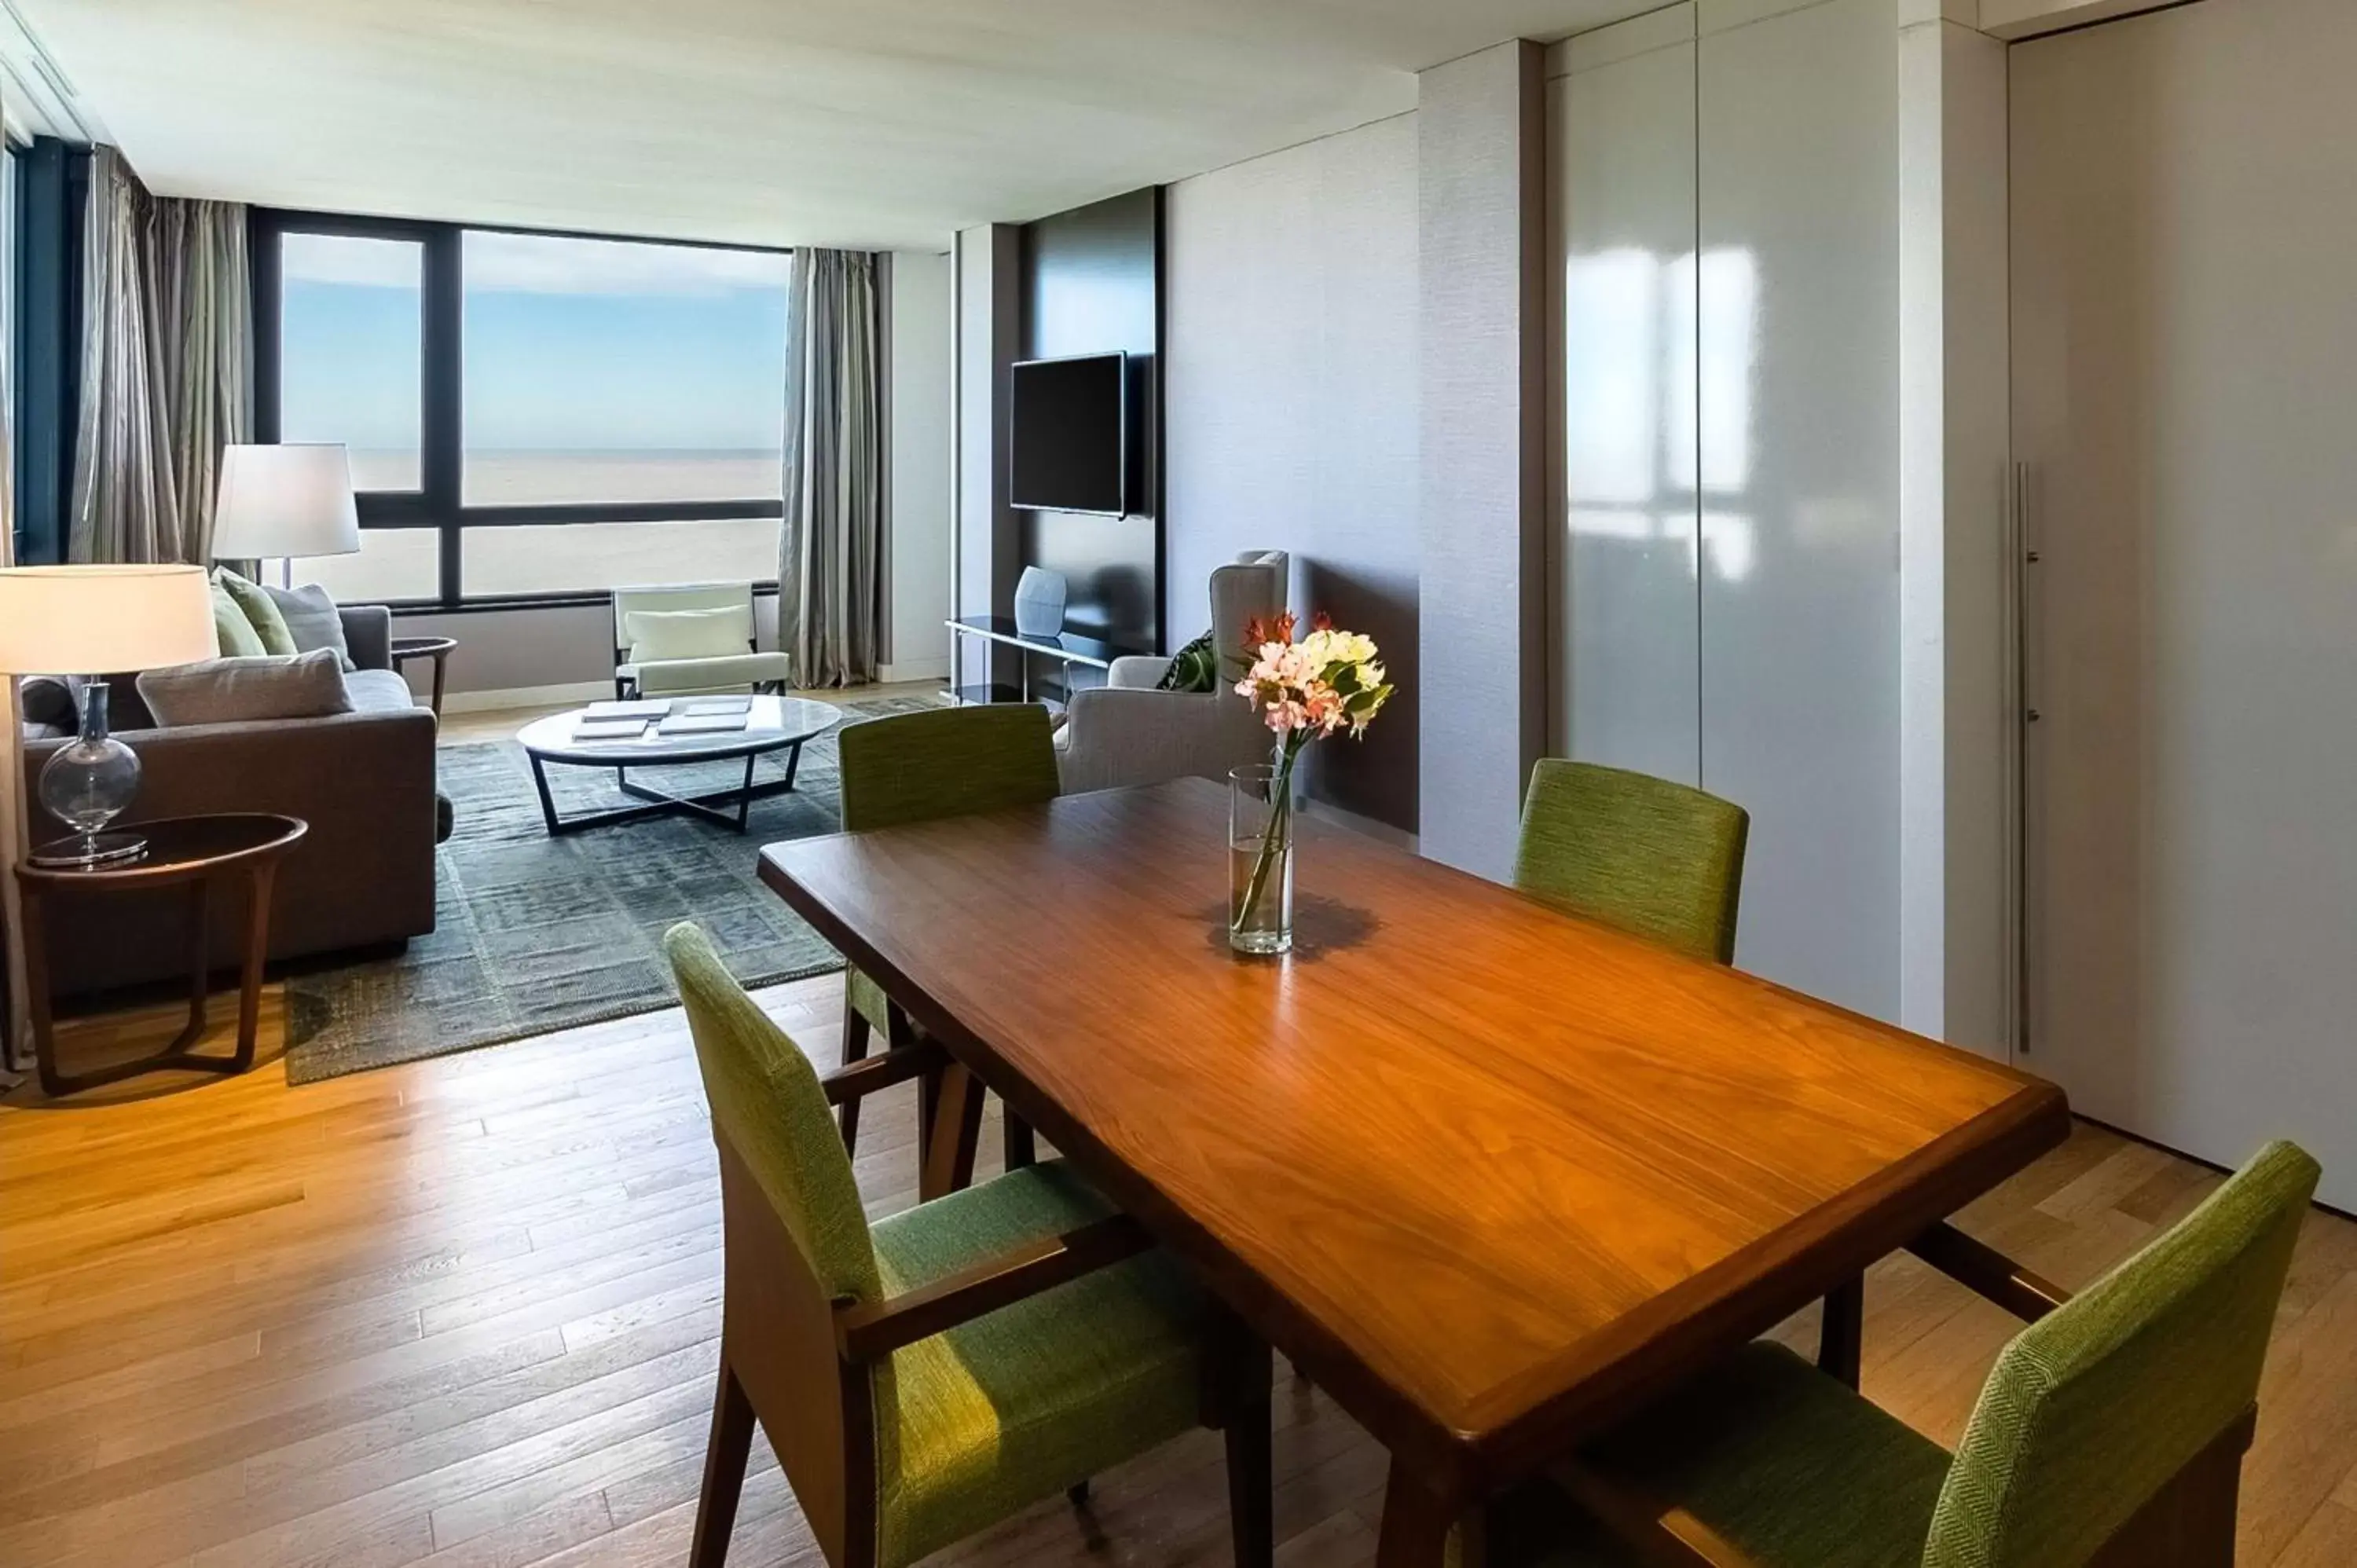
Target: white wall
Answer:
pixel 1290 407
pixel 917 532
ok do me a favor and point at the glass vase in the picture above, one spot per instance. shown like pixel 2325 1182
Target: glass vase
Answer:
pixel 1260 859
pixel 86 784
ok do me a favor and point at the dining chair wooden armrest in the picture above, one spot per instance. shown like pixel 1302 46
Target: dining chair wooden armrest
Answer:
pixel 1983 1270
pixel 1662 1534
pixel 870 1331
pixel 869 1074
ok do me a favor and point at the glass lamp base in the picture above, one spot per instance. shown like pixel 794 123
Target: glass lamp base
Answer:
pixel 88 849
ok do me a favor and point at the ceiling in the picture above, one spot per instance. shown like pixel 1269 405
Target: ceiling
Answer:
pixel 860 123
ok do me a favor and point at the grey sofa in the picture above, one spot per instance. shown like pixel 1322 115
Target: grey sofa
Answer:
pixel 363 876
pixel 1127 733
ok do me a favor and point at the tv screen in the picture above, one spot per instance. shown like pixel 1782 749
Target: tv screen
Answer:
pixel 1070 434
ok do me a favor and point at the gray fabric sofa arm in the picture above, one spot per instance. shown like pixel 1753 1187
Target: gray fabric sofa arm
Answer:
pixel 1137 673
pixel 368 635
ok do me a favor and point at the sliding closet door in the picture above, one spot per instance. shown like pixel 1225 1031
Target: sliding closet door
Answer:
pixel 1798 470
pixel 1622 127
pixel 2185 384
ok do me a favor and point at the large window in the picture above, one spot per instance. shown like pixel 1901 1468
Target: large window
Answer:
pixel 530 416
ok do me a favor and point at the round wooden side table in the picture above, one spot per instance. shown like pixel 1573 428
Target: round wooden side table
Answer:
pixel 194 852
pixel 437 649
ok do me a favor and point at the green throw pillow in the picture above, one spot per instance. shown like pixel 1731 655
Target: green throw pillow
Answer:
pixel 261 613
pixel 1194 668
pixel 233 633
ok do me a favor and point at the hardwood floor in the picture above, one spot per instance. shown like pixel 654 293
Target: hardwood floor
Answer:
pixel 464 1312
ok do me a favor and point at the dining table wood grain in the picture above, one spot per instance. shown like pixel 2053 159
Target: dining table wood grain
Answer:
pixel 1492 1174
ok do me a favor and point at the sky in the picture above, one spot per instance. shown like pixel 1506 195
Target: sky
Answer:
pixel 571 344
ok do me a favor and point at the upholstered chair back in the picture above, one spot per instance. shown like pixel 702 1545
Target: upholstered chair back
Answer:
pixel 2091 1409
pixel 1652 857
pixel 914 768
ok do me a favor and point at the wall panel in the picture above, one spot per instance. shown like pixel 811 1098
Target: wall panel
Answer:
pixel 1799 473
pixel 1622 304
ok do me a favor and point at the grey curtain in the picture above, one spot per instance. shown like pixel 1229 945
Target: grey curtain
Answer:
pixel 830 577
pixel 167 368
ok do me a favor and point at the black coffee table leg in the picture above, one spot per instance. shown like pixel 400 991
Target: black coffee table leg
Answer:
pixel 548 806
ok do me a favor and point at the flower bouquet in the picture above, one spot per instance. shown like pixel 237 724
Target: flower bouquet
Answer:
pixel 1327 682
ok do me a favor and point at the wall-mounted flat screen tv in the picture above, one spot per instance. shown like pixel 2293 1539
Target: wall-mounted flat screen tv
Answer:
pixel 1070 435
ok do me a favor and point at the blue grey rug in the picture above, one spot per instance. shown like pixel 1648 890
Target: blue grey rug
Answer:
pixel 533 934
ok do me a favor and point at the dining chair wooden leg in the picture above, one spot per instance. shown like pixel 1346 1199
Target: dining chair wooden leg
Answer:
pixel 1022 1148
pixel 1252 1480
pixel 956 1132
pixel 856 1030
pixel 1841 1342
pixel 724 1471
pixel 1417 1522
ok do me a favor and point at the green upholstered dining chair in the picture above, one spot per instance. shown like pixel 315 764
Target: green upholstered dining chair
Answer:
pixel 923 1377
pixel 2111 1430
pixel 915 767
pixel 1649 856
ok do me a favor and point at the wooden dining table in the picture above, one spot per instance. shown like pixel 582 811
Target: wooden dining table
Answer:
pixel 1491 1174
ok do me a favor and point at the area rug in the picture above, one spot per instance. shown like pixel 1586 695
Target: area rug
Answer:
pixel 533 934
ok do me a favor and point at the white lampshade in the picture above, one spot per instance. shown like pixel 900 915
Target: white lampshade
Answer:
pixel 89 620
pixel 287 501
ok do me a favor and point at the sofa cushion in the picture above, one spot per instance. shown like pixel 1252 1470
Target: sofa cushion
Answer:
pixel 378 691
pixel 233 634
pixel 312 619
pixel 260 609
pixel 688 634
pixel 231 691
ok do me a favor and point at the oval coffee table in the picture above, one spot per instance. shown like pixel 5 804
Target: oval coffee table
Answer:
pixel 773 724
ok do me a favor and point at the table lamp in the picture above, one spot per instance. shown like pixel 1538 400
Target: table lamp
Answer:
pixel 278 502
pixel 57 620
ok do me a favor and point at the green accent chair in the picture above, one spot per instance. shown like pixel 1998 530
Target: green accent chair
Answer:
pixel 919 768
pixel 1643 855
pixel 924 1377
pixel 2111 1430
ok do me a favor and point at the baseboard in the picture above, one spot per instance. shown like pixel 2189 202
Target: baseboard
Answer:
pixel 525 697
pixel 1383 832
pixel 915 670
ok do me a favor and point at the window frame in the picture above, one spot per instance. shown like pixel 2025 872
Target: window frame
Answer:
pixel 439 502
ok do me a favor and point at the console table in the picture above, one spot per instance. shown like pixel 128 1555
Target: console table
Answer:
pixel 1067 648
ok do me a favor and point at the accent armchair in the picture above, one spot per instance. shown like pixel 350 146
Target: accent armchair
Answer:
pixel 923 1378
pixel 708 658
pixel 2110 1432
pixel 1127 733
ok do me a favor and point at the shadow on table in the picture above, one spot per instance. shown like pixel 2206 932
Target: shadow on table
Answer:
pixel 1321 926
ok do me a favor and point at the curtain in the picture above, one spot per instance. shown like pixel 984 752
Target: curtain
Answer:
pixel 830 578
pixel 167 370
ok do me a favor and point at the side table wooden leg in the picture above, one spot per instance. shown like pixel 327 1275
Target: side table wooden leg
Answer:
pixel 36 993
pixel 199 965
pixel 257 951
pixel 441 661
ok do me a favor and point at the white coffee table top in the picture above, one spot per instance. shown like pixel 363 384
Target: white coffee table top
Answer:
pixel 774 723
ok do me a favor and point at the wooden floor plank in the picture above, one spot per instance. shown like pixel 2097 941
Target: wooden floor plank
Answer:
pixel 464 1313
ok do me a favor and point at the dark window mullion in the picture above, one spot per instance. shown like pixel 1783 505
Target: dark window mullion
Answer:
pixel 444 387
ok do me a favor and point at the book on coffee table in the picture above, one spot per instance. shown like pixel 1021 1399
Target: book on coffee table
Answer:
pixel 703 723
pixel 608 728
pixel 642 710
pixel 699 706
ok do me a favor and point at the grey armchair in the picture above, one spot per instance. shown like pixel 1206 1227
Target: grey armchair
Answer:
pixel 1127 733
